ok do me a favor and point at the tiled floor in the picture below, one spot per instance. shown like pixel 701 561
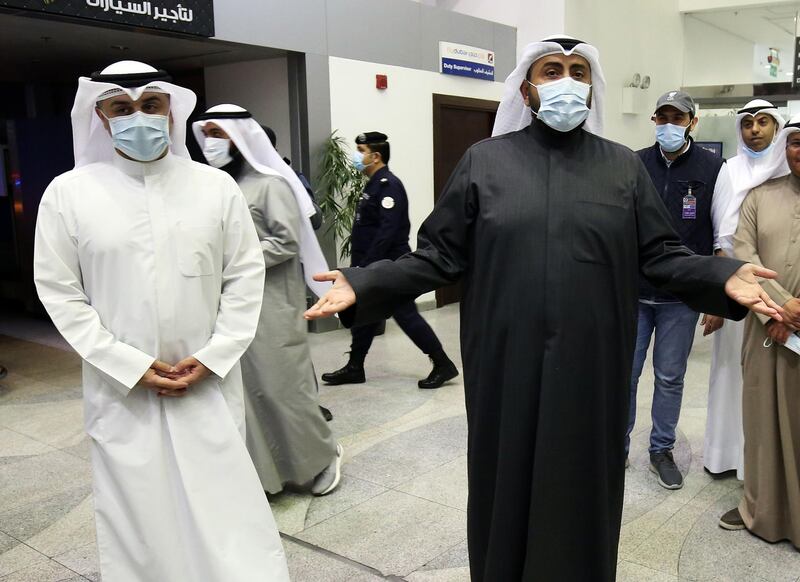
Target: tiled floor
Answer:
pixel 400 511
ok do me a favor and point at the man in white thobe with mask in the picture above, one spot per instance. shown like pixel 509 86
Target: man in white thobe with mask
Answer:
pixel 758 125
pixel 150 267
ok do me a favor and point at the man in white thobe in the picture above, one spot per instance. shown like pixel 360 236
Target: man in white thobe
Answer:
pixel 758 125
pixel 149 265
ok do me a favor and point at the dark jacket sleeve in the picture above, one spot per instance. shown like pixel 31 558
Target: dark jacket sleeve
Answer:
pixel 698 281
pixel 441 257
pixel 317 218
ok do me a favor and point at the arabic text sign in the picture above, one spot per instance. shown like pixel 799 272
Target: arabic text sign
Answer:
pixel 186 16
pixel 466 61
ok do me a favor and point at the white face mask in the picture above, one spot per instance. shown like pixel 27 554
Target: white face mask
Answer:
pixel 217 151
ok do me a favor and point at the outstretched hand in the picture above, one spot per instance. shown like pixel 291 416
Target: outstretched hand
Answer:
pixel 743 288
pixel 340 297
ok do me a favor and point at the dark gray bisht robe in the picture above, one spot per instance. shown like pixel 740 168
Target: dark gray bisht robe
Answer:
pixel 287 437
pixel 548 233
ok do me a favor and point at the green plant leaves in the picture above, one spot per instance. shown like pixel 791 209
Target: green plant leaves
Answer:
pixel 341 186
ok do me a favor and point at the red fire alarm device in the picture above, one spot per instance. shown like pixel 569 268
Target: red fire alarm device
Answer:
pixel 381 82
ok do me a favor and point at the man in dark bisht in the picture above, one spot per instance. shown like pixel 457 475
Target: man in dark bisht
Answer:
pixel 548 227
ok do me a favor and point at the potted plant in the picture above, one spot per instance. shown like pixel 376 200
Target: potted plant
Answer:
pixel 340 186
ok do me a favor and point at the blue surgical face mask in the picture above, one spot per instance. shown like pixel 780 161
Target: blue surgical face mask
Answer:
pixel 671 137
pixel 358 161
pixel 754 154
pixel 563 104
pixel 141 136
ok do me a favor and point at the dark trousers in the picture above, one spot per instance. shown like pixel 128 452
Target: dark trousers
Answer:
pixel 412 324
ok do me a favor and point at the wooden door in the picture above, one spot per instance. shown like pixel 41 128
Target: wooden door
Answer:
pixel 458 122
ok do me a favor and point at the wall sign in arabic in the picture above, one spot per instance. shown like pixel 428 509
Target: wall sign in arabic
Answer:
pixel 466 61
pixel 186 16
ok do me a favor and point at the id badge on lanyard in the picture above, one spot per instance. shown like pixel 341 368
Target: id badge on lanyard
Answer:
pixel 689 206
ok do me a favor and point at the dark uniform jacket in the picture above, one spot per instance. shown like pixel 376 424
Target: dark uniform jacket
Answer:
pixel 694 172
pixel 381 226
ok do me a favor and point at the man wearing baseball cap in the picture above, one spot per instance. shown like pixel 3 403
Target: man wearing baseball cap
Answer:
pixel 694 185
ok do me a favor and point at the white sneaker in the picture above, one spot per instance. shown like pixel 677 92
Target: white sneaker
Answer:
pixel 329 479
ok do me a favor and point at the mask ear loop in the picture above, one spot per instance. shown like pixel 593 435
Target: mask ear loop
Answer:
pixel 688 129
pixel 533 112
pixel 369 164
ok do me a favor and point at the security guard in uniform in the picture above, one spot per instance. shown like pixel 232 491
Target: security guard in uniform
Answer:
pixel 380 231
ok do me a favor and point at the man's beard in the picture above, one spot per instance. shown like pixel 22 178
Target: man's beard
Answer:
pixel 235 166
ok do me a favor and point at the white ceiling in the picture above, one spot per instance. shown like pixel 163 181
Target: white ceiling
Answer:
pixel 769 25
pixel 35 48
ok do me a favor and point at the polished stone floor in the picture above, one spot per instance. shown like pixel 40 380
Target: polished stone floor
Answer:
pixel 400 511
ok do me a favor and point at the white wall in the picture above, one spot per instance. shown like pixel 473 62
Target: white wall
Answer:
pixel 704 5
pixel 404 112
pixel 261 87
pixel 533 19
pixel 632 37
pixel 715 56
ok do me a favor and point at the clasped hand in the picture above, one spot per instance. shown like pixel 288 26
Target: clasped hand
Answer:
pixel 779 332
pixel 174 381
pixel 791 313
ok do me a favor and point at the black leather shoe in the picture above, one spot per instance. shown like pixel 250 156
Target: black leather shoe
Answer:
pixel 350 374
pixel 326 414
pixel 441 373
